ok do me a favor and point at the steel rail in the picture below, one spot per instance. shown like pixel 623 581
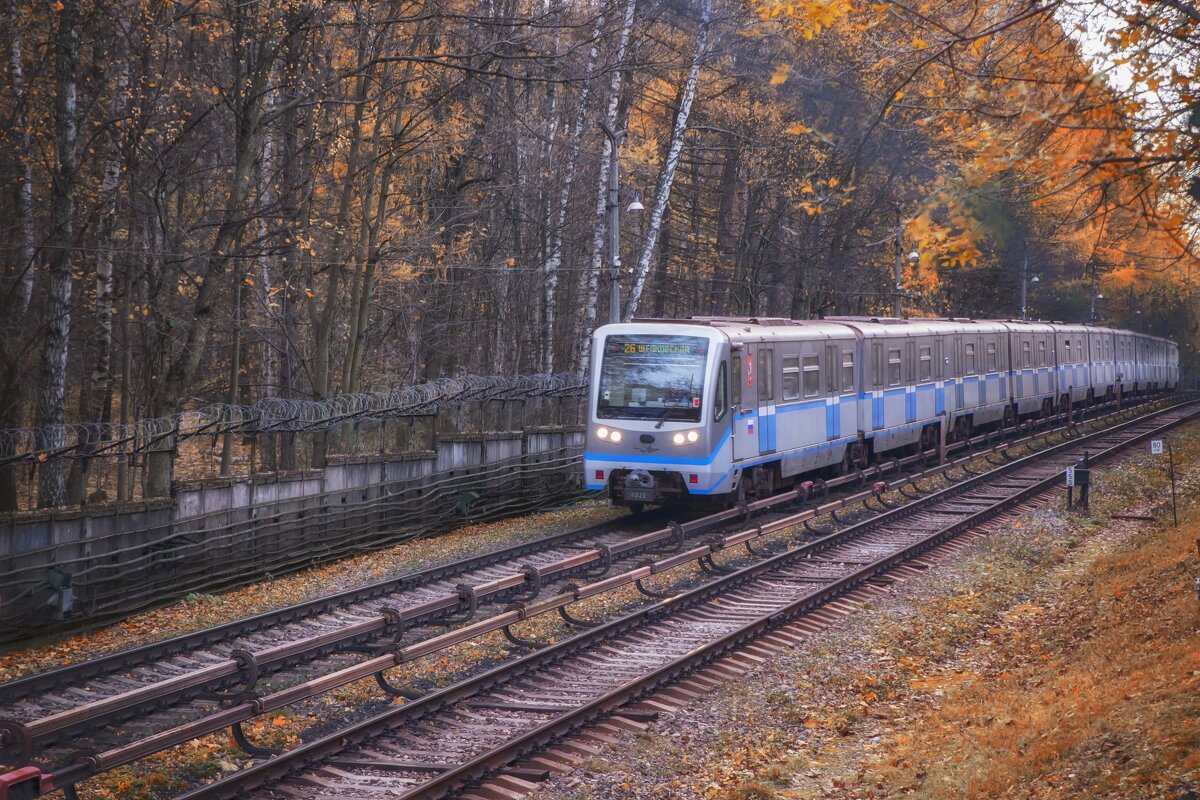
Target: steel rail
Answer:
pixel 275 658
pixel 357 632
pixel 456 778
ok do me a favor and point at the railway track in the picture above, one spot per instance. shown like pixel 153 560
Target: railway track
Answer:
pixel 162 694
pixel 492 725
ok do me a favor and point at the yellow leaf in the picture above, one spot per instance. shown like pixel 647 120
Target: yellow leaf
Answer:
pixel 796 129
pixel 781 74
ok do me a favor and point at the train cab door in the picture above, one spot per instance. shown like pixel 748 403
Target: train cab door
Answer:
pixel 764 378
pixel 741 395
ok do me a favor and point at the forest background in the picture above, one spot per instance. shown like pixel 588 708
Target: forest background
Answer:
pixel 221 201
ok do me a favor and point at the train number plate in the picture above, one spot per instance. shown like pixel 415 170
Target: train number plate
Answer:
pixel 640 495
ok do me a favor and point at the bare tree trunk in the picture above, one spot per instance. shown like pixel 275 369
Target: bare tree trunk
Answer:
pixel 23 275
pixel 591 285
pixel 16 281
pixel 52 488
pixel 666 177
pixel 95 395
pixel 323 322
pixel 235 371
pixel 252 70
pixel 559 222
pixel 269 363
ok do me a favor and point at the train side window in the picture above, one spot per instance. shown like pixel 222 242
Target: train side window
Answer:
pixel 991 357
pixel 831 373
pixel 1041 353
pixel 1025 362
pixel 791 377
pixel 812 376
pixel 737 380
pixel 721 400
pixel 877 358
pixel 847 370
pixel 1067 352
pixel 893 367
pixel 969 358
pixel 1079 349
pixel 925 357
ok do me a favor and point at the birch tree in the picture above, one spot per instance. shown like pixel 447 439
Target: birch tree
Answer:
pixel 591 283
pixel 559 222
pixel 52 486
pixel 666 177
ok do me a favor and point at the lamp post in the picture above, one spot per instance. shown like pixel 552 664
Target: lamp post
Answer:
pixel 1025 279
pixel 614 222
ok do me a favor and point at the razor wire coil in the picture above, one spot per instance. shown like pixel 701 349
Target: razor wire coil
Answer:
pixel 277 414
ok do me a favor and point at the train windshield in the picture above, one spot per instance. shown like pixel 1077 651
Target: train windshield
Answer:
pixel 652 376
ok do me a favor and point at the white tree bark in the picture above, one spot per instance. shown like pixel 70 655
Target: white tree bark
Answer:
pixel 52 485
pixel 16 74
pixel 554 253
pixel 96 390
pixel 591 285
pixel 666 178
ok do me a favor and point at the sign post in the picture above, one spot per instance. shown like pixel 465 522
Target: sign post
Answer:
pixel 1070 487
pixel 1156 449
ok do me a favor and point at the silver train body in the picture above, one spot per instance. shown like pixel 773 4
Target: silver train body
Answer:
pixel 723 407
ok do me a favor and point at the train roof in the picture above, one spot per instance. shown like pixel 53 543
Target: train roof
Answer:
pixel 870 327
pixel 873 327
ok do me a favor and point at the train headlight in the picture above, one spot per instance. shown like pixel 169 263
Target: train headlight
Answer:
pixel 615 437
pixel 602 432
pixel 693 436
pixel 678 438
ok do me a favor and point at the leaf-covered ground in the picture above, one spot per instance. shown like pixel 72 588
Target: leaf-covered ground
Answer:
pixel 1060 659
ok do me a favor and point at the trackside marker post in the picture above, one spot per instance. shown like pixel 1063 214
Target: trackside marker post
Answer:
pixel 1156 449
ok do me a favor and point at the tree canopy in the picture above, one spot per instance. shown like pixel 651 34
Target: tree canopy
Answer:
pixel 220 201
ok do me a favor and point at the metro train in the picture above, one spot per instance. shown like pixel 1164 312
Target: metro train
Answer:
pixel 729 408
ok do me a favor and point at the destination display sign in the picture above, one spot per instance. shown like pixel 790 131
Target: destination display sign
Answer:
pixel 657 345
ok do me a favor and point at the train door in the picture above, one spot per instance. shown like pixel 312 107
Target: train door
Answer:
pixel 764 376
pixel 737 383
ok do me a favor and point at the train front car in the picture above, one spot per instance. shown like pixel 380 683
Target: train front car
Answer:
pixel 658 413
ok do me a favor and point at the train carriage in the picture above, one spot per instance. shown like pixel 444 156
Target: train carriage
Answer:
pixel 1032 381
pixel 725 407
pixel 1072 365
pixel 1101 348
pixel 1126 361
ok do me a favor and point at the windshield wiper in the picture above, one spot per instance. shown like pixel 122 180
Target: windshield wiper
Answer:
pixel 662 417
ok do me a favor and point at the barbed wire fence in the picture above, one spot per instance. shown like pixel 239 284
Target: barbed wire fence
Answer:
pixel 363 416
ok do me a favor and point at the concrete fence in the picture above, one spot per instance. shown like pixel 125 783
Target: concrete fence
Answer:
pixel 60 569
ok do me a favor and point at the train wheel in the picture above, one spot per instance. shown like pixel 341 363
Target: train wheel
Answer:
pixel 764 482
pixel 858 455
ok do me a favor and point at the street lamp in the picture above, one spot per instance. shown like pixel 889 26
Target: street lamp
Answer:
pixel 1025 279
pixel 614 221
